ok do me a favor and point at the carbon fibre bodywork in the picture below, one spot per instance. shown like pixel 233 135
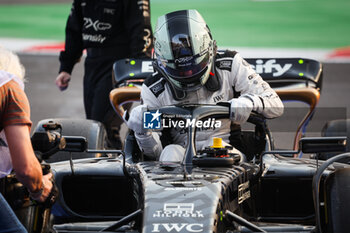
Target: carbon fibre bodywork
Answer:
pixel 174 198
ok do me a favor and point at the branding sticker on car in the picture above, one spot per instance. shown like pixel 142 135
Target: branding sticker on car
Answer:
pixel 146 67
pixel 177 227
pixel 191 182
pixel 271 67
pixel 182 210
pixel 183 189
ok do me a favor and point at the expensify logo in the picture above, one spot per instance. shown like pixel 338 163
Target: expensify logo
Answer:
pixel 270 66
pixel 153 120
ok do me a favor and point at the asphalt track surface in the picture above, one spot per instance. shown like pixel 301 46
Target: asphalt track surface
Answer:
pixel 48 102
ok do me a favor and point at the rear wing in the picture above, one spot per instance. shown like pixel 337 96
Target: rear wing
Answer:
pixel 280 73
pixel 131 71
pixel 289 73
pixel 294 79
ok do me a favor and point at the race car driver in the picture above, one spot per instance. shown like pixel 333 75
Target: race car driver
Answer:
pixel 109 30
pixel 190 70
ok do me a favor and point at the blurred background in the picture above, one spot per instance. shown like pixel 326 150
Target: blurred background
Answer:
pixel 316 29
pixel 236 23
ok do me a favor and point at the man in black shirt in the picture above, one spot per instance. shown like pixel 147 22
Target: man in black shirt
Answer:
pixel 109 30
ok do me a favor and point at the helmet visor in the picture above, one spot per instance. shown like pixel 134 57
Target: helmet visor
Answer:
pixel 183 68
pixel 192 83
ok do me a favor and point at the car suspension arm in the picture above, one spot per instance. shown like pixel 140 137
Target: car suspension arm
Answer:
pixel 123 221
pixel 243 222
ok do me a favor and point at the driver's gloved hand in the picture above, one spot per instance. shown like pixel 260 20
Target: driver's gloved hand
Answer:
pixel 134 122
pixel 148 141
pixel 240 109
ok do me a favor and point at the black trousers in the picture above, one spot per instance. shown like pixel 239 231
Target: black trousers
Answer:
pixel 97 86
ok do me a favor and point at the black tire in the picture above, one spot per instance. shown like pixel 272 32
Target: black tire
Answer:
pixel 93 131
pixel 337 191
pixel 334 128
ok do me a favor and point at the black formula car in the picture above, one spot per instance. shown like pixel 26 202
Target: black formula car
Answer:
pixel 212 190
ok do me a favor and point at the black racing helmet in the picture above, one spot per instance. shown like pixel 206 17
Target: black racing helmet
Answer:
pixel 184 49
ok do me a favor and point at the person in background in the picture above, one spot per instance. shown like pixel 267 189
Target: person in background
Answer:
pixel 190 70
pixel 16 151
pixel 109 30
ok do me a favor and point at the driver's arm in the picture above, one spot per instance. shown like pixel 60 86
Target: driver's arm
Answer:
pixel 256 94
pixel 148 141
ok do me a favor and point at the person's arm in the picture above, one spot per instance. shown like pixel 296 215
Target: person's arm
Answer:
pixel 62 80
pixel 27 168
pixel 73 46
pixel 16 123
pixel 256 94
pixel 147 30
pixel 134 24
pixel 148 141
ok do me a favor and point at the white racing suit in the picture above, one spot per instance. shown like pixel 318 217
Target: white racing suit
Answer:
pixel 233 81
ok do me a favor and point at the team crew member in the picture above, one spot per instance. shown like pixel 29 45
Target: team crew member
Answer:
pixel 109 30
pixel 189 70
pixel 16 150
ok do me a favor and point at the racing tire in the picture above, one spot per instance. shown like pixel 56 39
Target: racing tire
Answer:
pixel 337 192
pixel 93 131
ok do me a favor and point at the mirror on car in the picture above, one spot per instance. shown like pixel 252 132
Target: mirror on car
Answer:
pixel 322 144
pixel 75 144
